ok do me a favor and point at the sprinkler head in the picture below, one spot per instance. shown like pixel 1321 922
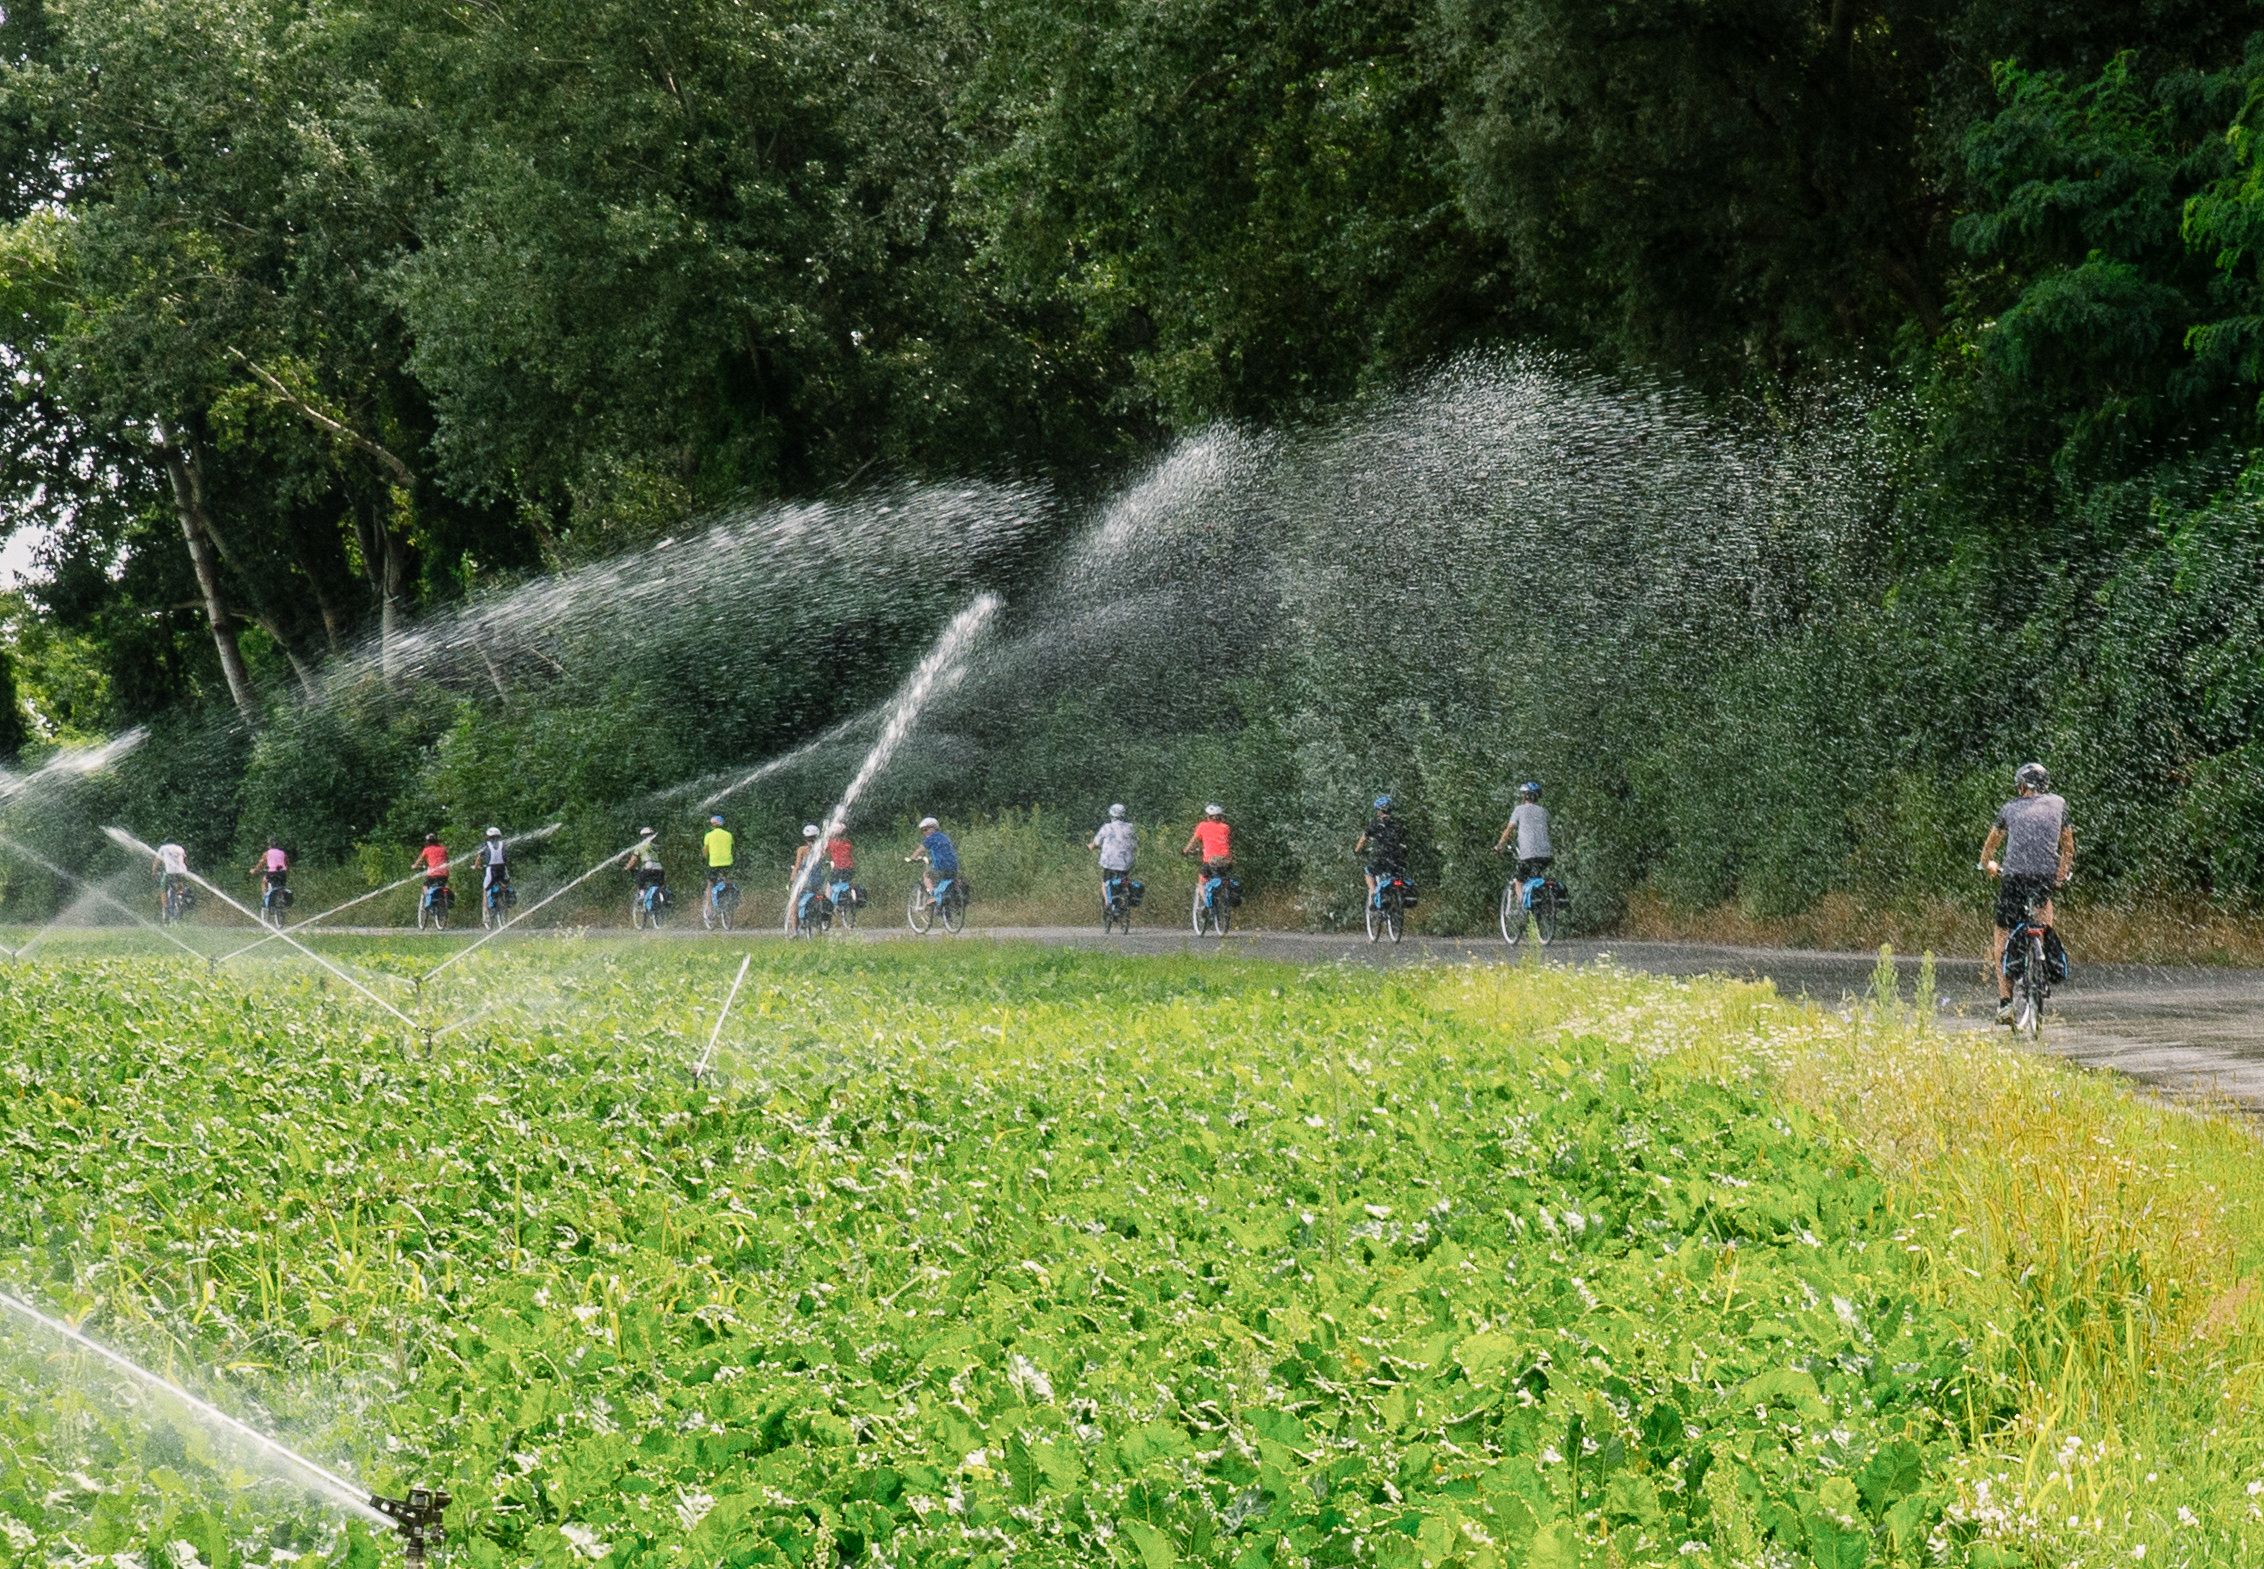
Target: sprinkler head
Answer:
pixel 417 1517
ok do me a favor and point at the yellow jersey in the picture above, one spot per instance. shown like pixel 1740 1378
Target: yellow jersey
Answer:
pixel 718 847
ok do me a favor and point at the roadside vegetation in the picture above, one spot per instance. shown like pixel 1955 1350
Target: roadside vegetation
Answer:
pixel 989 1254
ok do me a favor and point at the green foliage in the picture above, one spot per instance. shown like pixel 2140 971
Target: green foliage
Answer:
pixel 978 1240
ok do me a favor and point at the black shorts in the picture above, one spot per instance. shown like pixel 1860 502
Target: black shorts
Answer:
pixel 2016 894
pixel 1380 871
pixel 650 877
pixel 1534 866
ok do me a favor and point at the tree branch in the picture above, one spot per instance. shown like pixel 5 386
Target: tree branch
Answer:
pixel 402 474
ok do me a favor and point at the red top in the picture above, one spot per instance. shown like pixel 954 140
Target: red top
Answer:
pixel 435 859
pixel 838 852
pixel 1215 838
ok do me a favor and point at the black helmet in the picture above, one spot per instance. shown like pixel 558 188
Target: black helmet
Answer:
pixel 432 838
pixel 2031 776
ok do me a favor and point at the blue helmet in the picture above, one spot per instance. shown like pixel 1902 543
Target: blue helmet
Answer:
pixel 1383 803
pixel 1530 788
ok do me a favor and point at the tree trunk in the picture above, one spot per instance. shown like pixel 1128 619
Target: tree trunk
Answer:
pixel 187 476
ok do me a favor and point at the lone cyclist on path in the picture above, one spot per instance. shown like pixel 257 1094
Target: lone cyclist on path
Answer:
pixel 1530 823
pixel 2039 851
pixel 1118 842
pixel 1384 843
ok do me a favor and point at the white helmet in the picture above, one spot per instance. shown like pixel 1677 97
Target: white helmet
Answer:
pixel 1116 813
pixel 929 822
pixel 809 830
pixel 644 833
pixel 494 832
pixel 1214 810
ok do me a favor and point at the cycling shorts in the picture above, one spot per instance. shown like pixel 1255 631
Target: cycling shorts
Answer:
pixel 276 879
pixel 1531 866
pixel 651 877
pixel 2016 894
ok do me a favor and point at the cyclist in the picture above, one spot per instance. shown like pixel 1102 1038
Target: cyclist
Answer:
pixel 938 851
pixel 1384 843
pixel 644 862
pixel 1118 842
pixel 718 845
pixel 432 860
pixel 809 855
pixel 1215 840
pixel 2039 851
pixel 840 854
pixel 493 858
pixel 171 869
pixel 273 869
pixel 1530 822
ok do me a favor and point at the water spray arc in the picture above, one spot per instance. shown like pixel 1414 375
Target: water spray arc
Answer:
pixel 122 837
pixel 535 837
pixel 942 667
pixel 28 853
pixel 355 1500
pixel 707 1057
pixel 561 890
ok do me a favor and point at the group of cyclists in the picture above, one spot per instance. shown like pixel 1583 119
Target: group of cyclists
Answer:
pixel 2030 849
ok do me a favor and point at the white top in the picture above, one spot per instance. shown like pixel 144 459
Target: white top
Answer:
pixel 173 859
pixel 1117 841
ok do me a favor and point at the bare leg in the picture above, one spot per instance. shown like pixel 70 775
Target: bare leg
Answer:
pixel 1997 963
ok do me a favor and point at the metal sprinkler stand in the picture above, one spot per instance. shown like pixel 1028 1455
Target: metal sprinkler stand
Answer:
pixel 418 1518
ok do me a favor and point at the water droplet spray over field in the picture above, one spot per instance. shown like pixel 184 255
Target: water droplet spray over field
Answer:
pixel 279 1457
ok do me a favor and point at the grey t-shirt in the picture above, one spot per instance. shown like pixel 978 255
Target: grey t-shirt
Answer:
pixel 1531 820
pixel 1117 842
pixel 2032 825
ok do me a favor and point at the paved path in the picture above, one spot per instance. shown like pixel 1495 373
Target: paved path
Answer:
pixel 2192 1033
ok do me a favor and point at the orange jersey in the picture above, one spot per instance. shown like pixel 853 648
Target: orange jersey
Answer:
pixel 435 860
pixel 1216 839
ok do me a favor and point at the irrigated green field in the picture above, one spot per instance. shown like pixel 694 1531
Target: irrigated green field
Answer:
pixel 992 1255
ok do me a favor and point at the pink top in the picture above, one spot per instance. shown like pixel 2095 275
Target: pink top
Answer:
pixel 277 861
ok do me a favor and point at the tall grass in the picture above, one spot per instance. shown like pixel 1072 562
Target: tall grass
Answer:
pixel 2108 1247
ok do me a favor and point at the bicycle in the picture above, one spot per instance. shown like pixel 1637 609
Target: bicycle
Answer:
pixel 721 901
pixel 1387 907
pixel 496 900
pixel 946 902
pixel 273 901
pixel 813 913
pixel 1119 896
pixel 432 907
pixel 1213 912
pixel 648 906
pixel 177 902
pixel 1538 902
pixel 845 899
pixel 2032 966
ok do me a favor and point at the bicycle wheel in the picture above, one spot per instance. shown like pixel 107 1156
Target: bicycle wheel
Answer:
pixel 636 912
pixel 1200 916
pixel 919 914
pixel 1512 916
pixel 1375 915
pixel 2028 1005
pixel 1545 917
pixel 1395 915
pixel 845 911
pixel 954 910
